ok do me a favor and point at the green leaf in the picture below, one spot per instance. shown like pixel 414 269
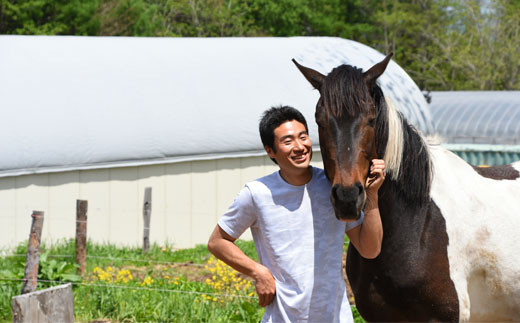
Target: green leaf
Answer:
pixel 44 256
pixel 248 308
pixel 62 267
pixel 7 274
pixel 71 278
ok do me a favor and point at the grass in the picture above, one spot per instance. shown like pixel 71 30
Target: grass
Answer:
pixel 125 285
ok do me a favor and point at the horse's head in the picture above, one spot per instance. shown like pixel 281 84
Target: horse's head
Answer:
pixel 346 116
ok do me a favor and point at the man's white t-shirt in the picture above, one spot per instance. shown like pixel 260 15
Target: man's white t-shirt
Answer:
pixel 300 240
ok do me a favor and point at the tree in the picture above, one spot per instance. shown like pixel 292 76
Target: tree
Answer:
pixel 127 18
pixel 48 17
pixel 454 45
pixel 442 44
pixel 205 18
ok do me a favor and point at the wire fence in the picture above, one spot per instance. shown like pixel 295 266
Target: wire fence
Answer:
pixel 4 253
pixel 9 280
pixel 131 288
pixel 119 259
pixel 65 219
pixel 53 218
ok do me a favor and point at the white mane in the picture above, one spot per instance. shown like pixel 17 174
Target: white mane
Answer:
pixel 394 146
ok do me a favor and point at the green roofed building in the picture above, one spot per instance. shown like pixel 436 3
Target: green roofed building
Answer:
pixel 482 127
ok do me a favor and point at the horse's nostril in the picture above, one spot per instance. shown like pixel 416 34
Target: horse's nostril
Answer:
pixel 360 188
pixel 346 194
pixel 335 192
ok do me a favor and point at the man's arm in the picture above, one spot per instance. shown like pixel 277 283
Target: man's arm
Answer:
pixel 223 247
pixel 368 236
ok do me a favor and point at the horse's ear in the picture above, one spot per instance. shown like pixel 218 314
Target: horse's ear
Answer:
pixel 314 77
pixel 375 71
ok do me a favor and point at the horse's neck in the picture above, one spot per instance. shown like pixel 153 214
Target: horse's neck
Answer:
pixel 402 218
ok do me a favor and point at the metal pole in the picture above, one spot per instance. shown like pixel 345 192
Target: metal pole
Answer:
pixel 147 214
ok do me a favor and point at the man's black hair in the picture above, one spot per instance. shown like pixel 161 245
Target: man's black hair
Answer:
pixel 273 118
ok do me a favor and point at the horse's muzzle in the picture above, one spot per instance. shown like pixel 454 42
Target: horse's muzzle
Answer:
pixel 347 201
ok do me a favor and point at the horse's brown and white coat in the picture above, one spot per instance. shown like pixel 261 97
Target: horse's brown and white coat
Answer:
pixel 482 217
pixel 450 249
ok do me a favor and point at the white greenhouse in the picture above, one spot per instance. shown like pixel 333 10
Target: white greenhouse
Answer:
pixel 101 118
pixel 482 127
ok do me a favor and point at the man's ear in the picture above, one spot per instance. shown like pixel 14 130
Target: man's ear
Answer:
pixel 270 151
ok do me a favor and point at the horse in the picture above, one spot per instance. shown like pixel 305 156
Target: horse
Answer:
pixel 450 248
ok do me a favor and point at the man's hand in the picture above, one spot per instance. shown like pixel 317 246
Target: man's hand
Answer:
pixel 265 285
pixel 367 237
pixel 222 246
pixel 375 179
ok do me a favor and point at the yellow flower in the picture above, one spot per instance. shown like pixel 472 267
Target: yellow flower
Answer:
pixel 147 281
pixel 124 276
pixel 226 279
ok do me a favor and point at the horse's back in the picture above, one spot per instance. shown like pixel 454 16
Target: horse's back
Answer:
pixel 481 208
pixel 502 172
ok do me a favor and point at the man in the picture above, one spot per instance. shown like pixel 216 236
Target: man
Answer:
pixel 298 239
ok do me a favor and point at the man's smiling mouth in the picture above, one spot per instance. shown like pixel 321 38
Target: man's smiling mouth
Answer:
pixel 301 157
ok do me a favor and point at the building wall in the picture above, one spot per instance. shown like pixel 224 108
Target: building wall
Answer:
pixel 187 200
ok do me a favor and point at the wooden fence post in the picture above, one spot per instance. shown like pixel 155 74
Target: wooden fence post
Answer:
pixel 81 234
pixel 147 214
pixel 33 253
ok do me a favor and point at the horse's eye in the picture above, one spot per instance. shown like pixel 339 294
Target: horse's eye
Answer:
pixel 371 122
pixel 319 116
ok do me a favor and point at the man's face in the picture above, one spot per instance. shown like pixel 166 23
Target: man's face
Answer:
pixel 293 146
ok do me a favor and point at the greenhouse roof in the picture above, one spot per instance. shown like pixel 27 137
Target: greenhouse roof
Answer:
pixel 477 117
pixel 73 103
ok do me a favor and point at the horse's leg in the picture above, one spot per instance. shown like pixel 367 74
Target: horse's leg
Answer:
pixel 370 302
